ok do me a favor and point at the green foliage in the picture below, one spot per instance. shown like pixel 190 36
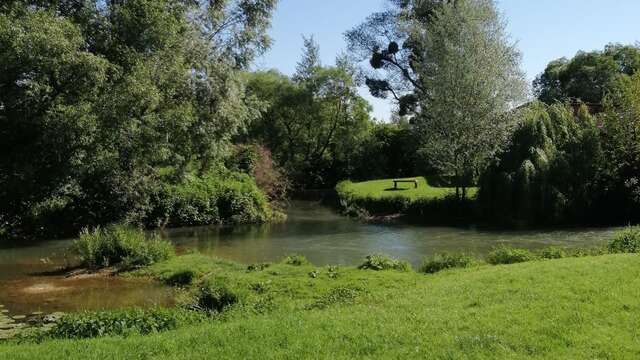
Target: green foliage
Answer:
pixel 381 262
pixel 121 323
pixel 589 76
pixel 509 255
pixel 446 261
pixel 549 172
pixel 314 123
pixel 210 199
pixel 120 245
pixel 99 98
pixel 552 253
pixel 296 260
pixel 472 83
pixel 620 190
pixel 626 241
pixel 389 150
pixel 214 294
pixel 181 278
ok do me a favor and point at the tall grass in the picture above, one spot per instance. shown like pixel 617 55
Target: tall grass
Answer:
pixel 120 245
pixel 626 241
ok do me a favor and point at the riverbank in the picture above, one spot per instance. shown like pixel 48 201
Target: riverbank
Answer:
pixel 569 308
pixel 381 201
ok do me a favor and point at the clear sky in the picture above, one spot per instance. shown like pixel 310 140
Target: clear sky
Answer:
pixel 544 30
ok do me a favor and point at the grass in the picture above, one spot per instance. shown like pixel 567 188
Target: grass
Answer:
pixel 380 189
pixel 574 308
pixel 122 246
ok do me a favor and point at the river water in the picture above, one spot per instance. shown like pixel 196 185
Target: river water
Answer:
pixel 28 284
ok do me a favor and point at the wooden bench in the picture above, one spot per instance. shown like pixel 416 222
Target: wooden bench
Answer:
pixel 412 181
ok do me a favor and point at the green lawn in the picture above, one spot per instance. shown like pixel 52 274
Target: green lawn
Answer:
pixel 378 189
pixel 574 308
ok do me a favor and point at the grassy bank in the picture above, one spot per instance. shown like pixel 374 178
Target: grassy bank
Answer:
pixel 384 188
pixel 426 203
pixel 569 308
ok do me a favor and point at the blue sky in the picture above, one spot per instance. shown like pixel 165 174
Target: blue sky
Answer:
pixel 544 30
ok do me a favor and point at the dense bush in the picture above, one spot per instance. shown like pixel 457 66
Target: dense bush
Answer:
pixel 509 255
pixel 390 151
pixel 121 323
pixel 554 253
pixel 548 173
pixel 566 165
pixel 216 295
pixel 210 199
pixel 120 245
pixel 379 262
pixel 181 278
pixel 626 241
pixel 98 98
pixel 446 261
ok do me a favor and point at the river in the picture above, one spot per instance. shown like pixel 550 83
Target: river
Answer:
pixel 28 283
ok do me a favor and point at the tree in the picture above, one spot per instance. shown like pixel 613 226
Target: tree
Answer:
pixel 472 74
pixel 549 173
pixel 100 101
pixel 314 121
pixel 588 77
pixel 390 41
pixel 620 193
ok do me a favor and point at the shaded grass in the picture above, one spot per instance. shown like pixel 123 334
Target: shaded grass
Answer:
pixel 569 308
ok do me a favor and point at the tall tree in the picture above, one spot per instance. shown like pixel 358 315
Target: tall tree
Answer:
pixel 589 76
pixel 314 120
pixel 96 97
pixel 390 41
pixel 472 72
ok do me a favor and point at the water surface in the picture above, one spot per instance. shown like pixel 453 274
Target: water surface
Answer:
pixel 27 283
pixel 325 237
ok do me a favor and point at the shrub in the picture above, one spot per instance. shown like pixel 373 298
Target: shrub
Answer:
pixel 210 199
pixel 181 278
pixel 552 253
pixel 445 261
pixel 120 245
pixel 626 241
pixel 216 295
pixel 296 260
pixel 509 255
pixel 380 262
pixel 121 323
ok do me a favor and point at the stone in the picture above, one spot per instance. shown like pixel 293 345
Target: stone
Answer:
pixel 19 317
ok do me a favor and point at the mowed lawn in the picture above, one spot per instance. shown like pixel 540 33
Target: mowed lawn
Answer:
pixel 574 308
pixel 377 189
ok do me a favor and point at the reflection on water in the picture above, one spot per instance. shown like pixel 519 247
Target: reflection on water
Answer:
pixel 27 284
pixel 312 230
pixel 327 238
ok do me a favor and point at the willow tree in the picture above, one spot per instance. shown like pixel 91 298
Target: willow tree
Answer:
pixel 472 74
